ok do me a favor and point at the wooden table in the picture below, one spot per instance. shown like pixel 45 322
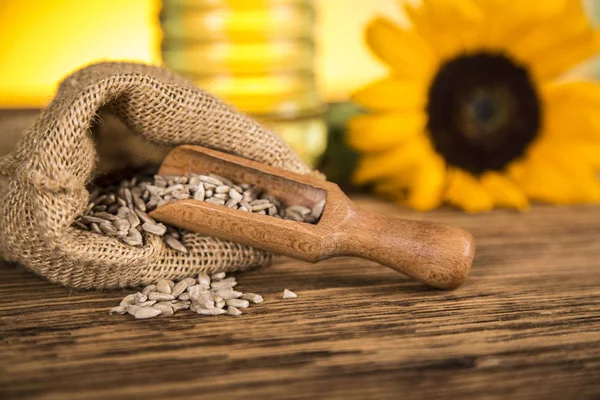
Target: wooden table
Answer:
pixel 526 325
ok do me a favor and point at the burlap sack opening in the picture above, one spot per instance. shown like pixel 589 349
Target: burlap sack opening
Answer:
pixel 44 178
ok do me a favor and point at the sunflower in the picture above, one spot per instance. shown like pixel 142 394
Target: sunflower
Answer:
pixel 475 111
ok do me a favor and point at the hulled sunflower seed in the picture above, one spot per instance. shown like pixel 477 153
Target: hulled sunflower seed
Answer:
pixel 200 193
pixel 146 312
pixel 165 310
pixel 147 303
pixel 144 217
pixel 179 288
pixel 81 226
pixel 253 297
pixel 231 310
pixel 149 289
pixel 218 276
pixel 182 305
pixel 210 179
pixel 140 298
pixel 155 229
pixel 288 294
pixel 210 311
pixel 128 300
pixel 175 244
pixel 318 209
pixel 118 310
pixel 228 294
pixel 239 303
pixel 184 296
pixel 204 279
pixel 158 296
pixel 163 286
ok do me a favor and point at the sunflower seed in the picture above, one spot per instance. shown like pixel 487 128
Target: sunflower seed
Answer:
pixel 216 201
pixel 118 310
pixel 224 284
pixel 147 303
pixel 179 288
pixel 164 309
pixel 146 312
pixel 219 303
pixel 156 229
pixel 134 237
pixel 210 179
pixel 80 226
pixel 140 298
pixel 149 289
pixel 204 279
pixel 238 303
pixel 194 292
pixel 88 219
pixel 200 193
pixel 100 208
pixel 107 228
pixel 182 305
pixel 133 220
pixel 132 309
pixel 222 189
pixel 231 310
pixel 288 294
pixel 253 297
pixel 95 228
pixel 222 179
pixel 210 311
pixel 175 244
pixel 128 300
pixel 318 209
pixel 228 294
pixel 139 203
pixel 144 217
pixel 234 194
pixel 158 296
pixel 218 276
pixel 163 286
pixel 184 296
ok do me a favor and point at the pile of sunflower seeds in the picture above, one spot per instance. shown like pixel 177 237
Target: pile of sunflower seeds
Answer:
pixel 122 211
pixel 206 295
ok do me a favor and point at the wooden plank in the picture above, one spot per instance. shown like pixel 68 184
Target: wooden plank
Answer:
pixel 526 325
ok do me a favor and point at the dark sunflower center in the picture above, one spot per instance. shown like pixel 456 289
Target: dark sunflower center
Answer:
pixel 483 111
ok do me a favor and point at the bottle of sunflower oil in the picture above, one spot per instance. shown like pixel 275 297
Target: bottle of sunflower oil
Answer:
pixel 255 54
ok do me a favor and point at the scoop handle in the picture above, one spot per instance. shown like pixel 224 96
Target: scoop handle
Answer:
pixel 436 254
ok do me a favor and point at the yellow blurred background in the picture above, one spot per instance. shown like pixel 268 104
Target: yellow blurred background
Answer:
pixel 41 41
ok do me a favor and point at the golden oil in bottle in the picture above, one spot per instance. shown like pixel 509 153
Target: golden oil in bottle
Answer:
pixel 255 54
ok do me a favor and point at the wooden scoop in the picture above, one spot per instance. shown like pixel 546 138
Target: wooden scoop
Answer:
pixel 435 254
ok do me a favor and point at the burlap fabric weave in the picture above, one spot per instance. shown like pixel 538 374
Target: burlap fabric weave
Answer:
pixel 44 179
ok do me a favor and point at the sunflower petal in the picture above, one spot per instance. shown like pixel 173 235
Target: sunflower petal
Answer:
pixel 428 185
pixel 392 94
pixel 401 49
pixel 543 180
pixel 504 191
pixel 557 43
pixel 380 132
pixel 466 192
pixel 390 163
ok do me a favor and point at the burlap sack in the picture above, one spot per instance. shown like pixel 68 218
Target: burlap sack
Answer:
pixel 45 176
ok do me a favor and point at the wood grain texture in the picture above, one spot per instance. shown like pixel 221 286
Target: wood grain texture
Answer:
pixel 435 254
pixel 526 325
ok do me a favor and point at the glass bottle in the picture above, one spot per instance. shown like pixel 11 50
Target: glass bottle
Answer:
pixel 255 54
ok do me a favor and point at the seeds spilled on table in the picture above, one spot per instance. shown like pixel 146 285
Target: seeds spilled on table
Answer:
pixel 122 211
pixel 207 295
